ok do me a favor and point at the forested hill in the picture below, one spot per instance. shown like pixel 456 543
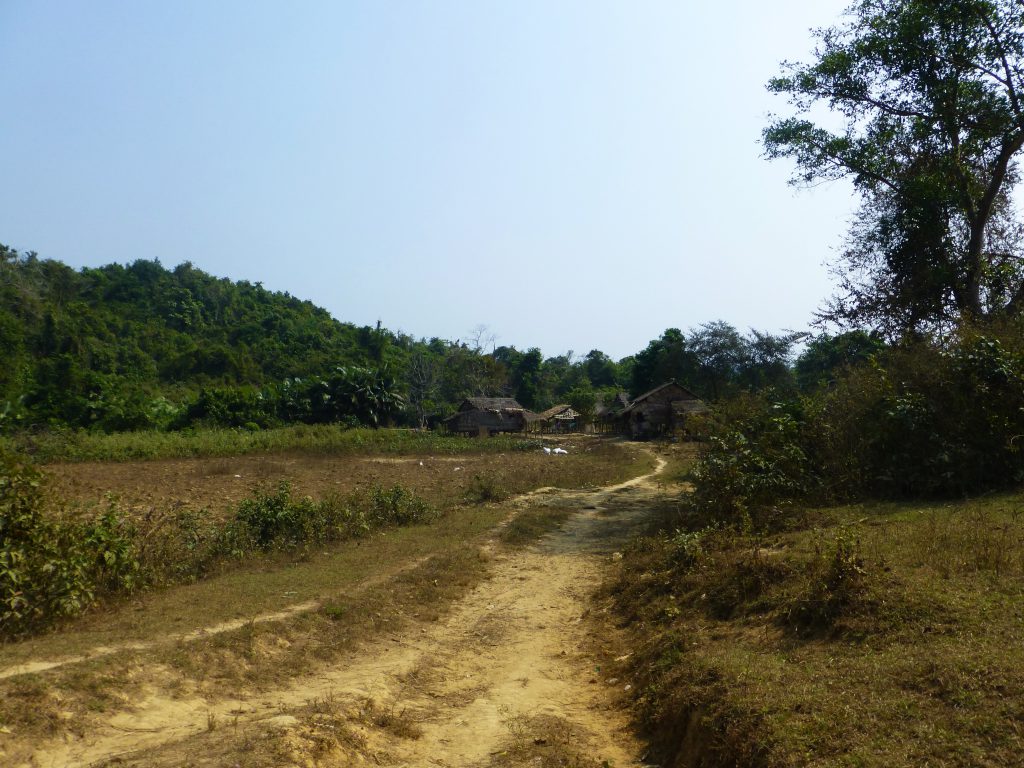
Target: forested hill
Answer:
pixel 144 321
pixel 138 346
pixel 79 346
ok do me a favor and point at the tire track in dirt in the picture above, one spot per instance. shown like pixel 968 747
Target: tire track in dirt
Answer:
pixel 99 651
pixel 511 652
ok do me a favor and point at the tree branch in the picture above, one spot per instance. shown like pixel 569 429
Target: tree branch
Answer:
pixel 1008 82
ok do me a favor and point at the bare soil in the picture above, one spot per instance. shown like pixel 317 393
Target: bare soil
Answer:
pixel 518 672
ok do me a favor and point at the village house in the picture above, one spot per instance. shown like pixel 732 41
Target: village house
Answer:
pixel 560 419
pixel 488 416
pixel 607 412
pixel 663 410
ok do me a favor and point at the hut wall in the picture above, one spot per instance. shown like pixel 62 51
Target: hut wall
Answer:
pixel 473 421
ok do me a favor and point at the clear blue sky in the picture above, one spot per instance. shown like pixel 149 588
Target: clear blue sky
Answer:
pixel 574 174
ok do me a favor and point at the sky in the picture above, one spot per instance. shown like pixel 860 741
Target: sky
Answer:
pixel 572 174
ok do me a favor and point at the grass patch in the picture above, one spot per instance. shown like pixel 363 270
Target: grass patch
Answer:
pixel 58 445
pixel 531 524
pixel 886 635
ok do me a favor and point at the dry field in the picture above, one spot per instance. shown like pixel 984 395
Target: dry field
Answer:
pixel 458 643
pixel 219 484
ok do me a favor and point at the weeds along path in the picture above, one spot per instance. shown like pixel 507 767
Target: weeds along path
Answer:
pixel 506 677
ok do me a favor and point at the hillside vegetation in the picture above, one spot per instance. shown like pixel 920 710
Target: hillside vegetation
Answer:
pixel 142 347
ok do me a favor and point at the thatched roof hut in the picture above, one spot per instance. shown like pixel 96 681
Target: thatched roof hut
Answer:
pixel 489 416
pixel 560 418
pixel 663 409
pixel 607 411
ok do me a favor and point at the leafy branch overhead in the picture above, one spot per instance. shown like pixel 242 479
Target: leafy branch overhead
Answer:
pixel 929 96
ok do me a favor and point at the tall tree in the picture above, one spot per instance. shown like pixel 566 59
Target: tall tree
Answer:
pixel 721 354
pixel 668 357
pixel 600 368
pixel 932 97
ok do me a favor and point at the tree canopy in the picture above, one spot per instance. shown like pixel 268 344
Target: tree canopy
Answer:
pixel 930 97
pixel 139 346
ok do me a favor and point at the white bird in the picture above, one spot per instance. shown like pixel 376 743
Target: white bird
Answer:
pixel 559 450
pixel 547 450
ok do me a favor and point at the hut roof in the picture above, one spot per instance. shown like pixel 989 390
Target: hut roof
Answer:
pixel 687 395
pixel 500 405
pixel 491 404
pixel 618 403
pixel 670 383
pixel 559 410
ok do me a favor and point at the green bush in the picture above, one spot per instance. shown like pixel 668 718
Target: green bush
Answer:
pixel 275 519
pixel 278 520
pixel 240 407
pixel 53 568
pixel 483 489
pixel 926 419
pixel 398 506
pixel 753 466
pixel 50 568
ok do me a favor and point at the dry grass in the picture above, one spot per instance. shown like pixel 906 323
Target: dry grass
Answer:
pixel 888 636
pixel 149 490
pixel 531 524
pixel 544 741
pixel 440 561
pixel 320 733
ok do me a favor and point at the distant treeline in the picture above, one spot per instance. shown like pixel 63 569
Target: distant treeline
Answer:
pixel 139 346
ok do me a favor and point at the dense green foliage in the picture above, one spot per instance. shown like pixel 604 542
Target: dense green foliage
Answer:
pixel 716 361
pixel 929 94
pixel 140 347
pixel 922 419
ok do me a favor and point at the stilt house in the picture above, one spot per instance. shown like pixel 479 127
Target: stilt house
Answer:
pixel 489 416
pixel 607 412
pixel 560 419
pixel 662 410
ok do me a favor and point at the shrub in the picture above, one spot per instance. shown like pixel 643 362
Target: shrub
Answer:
pixel 278 520
pixel 483 489
pixel 835 584
pixel 275 519
pixel 53 568
pixel 240 407
pixel 399 506
pixel 925 419
pixel 50 568
pixel 110 543
pixel 753 466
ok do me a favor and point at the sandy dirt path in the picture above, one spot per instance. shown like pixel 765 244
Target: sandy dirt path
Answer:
pixel 506 674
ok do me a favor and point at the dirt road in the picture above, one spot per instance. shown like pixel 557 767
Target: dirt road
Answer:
pixel 513 675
